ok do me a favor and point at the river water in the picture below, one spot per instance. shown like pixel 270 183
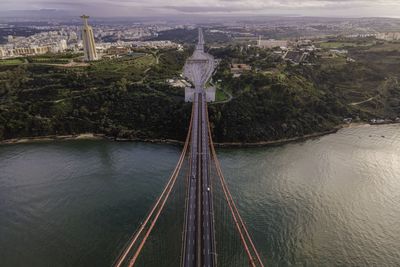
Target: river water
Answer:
pixel 331 201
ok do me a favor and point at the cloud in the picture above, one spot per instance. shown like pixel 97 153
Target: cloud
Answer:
pixel 260 7
pixel 206 9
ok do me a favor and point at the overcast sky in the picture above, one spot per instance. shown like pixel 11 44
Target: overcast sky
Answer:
pixel 113 8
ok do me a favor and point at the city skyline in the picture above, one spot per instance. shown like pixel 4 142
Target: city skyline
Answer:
pixel 119 8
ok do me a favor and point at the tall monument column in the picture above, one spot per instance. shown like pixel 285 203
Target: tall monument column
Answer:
pixel 88 40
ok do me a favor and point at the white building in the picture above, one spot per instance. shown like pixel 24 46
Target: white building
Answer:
pixel 271 43
pixel 210 94
pixel 62 45
pixel 388 36
pixel 73 37
pixel 2 52
pixel 189 94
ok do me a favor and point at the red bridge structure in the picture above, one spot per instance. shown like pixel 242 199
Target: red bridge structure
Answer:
pixel 194 221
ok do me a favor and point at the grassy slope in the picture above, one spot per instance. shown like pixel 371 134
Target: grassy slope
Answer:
pixel 128 97
pixel 105 97
pixel 14 61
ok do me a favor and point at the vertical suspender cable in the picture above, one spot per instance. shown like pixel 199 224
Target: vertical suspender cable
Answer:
pixel 235 213
pixel 163 195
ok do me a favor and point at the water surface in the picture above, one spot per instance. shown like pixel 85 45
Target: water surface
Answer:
pixel 331 201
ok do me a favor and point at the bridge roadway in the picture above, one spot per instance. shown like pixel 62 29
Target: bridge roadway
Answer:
pixel 199 238
pixel 199 243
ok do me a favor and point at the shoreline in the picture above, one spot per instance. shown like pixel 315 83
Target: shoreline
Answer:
pixel 23 140
pixel 278 142
pixel 92 136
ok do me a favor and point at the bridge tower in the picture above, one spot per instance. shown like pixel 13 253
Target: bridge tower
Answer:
pixel 198 70
pixel 203 240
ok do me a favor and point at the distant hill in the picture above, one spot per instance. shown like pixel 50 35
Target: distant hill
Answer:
pixel 34 14
pixel 189 36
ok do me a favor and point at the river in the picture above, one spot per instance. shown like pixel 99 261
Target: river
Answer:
pixel 330 201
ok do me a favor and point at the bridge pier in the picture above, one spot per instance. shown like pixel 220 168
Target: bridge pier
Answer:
pixel 210 94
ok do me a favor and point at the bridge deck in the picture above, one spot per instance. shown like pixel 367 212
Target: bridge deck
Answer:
pixel 199 233
pixel 199 249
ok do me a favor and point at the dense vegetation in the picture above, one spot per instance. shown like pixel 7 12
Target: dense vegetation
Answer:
pixel 280 105
pixel 124 98
pixel 129 97
pixel 278 99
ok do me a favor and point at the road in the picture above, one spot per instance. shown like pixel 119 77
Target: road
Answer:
pixel 230 97
pixel 362 102
pixel 199 246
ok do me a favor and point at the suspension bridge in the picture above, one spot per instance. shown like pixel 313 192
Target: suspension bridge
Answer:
pixel 194 221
